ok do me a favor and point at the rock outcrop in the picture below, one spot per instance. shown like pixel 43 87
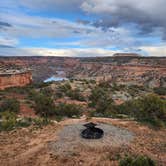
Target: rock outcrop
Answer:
pixel 15 79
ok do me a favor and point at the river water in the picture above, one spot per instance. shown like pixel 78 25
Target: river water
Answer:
pixel 54 78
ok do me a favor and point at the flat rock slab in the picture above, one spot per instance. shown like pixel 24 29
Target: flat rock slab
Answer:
pixel 70 140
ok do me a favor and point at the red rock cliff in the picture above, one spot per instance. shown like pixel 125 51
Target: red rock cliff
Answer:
pixel 15 80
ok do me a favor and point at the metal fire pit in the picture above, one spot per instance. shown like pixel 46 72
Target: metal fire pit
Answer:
pixel 91 132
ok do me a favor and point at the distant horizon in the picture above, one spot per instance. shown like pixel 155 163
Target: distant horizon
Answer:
pixel 51 56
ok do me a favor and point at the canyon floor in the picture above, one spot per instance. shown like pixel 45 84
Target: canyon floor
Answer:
pixel 36 146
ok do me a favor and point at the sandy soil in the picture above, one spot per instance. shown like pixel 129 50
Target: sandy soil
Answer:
pixel 31 146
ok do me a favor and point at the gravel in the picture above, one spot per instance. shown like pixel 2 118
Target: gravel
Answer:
pixel 69 139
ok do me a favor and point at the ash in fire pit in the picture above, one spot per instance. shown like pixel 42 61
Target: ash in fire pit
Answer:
pixel 91 132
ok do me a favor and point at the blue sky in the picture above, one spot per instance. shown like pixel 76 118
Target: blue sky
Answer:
pixel 82 27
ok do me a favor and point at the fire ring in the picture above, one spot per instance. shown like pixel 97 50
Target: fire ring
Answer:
pixel 92 132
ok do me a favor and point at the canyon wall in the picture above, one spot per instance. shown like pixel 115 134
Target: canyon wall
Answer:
pixel 15 80
pixel 146 75
pixel 149 71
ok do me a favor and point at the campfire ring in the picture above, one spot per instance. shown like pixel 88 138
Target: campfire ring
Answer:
pixel 91 132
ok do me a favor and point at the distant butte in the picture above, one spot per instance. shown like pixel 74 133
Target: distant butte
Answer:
pixel 126 55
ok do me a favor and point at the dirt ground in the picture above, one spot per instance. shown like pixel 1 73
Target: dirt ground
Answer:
pixel 31 146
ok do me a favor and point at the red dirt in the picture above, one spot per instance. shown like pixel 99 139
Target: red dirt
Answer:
pixel 68 101
pixel 26 111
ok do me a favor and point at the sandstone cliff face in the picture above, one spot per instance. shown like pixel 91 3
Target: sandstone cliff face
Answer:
pixel 15 80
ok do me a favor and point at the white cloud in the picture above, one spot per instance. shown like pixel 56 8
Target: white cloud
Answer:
pixel 76 52
pixel 86 35
pixel 146 14
pixel 36 27
pixel 8 41
pixel 155 9
pixel 159 51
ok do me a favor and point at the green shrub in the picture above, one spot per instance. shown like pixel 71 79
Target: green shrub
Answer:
pixel 9 121
pixel 104 84
pixel 134 90
pixel 41 122
pixel 32 94
pixel 136 161
pixel 18 90
pixel 11 105
pixel 58 93
pixel 128 108
pixel 44 105
pixel 39 85
pixel 46 91
pixel 68 110
pixel 25 122
pixel 65 88
pixel 150 109
pixel 100 100
pixel 160 90
pixel 75 95
pixel 116 87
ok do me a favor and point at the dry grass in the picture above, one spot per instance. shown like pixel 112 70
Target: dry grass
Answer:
pixel 32 147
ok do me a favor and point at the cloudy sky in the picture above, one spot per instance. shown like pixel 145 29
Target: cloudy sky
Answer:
pixel 82 27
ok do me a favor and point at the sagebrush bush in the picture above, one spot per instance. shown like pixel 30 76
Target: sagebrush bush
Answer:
pixel 44 105
pixel 136 161
pixel 150 109
pixel 100 100
pixel 47 91
pixel 41 122
pixel 68 110
pixel 8 121
pixel 75 94
pixel 65 88
pixel 11 105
